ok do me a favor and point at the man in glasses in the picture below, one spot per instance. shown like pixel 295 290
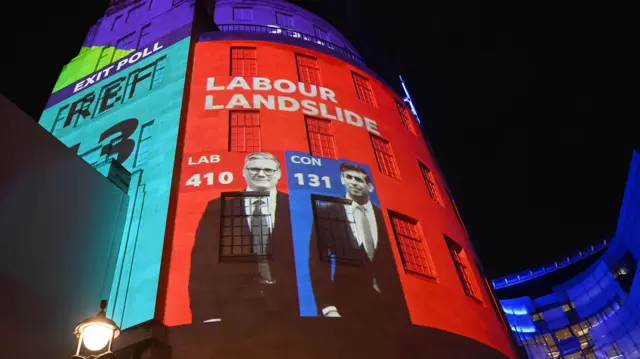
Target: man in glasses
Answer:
pixel 242 266
pixel 352 268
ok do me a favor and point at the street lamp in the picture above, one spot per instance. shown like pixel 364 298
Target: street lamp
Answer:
pixel 96 334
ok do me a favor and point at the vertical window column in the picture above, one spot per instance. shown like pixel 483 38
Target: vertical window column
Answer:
pixel 145 141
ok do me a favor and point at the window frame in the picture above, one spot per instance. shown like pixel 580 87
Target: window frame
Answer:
pixel 231 60
pixel 231 126
pixel 287 16
pixel 421 240
pixel 431 183
pixel 251 257
pixel 233 13
pixel 392 154
pixel 142 140
pixel 331 135
pixel 368 88
pixel 317 68
pixel 405 116
pixel 460 261
pixel 356 258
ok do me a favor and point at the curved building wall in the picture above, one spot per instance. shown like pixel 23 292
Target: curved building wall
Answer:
pixel 595 314
pixel 316 115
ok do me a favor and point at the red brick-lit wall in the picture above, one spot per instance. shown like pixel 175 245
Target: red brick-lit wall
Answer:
pixel 438 300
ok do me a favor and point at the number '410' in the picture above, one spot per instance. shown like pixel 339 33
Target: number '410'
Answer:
pixel 313 180
pixel 196 181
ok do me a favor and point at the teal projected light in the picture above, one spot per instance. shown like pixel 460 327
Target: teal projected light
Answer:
pixel 132 116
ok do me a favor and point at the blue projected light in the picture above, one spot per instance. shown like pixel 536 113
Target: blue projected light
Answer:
pixel 527 329
pixel 408 100
pixel 307 175
pixel 515 311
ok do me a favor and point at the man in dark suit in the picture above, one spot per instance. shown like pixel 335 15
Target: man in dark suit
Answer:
pixel 242 265
pixel 351 264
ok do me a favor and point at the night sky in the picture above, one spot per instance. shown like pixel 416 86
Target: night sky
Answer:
pixel 528 106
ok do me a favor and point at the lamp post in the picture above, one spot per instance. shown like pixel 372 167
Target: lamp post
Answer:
pixel 96 334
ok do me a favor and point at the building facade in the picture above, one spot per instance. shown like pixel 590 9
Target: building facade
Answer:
pixel 585 305
pixel 284 199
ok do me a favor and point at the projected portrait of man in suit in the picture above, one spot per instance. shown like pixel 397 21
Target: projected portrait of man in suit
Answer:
pixel 352 268
pixel 242 265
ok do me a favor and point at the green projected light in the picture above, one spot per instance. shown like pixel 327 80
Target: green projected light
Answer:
pixel 89 60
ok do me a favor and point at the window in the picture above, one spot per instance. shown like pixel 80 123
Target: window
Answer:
pixel 158 72
pixel 334 224
pixel 242 13
pixel 244 61
pixel 144 36
pixel 308 69
pixel 60 118
pixel 320 33
pixel 126 42
pixel 144 143
pixel 117 21
pixel 413 249
pixel 624 271
pixel 384 156
pixel 245 225
pixel 455 207
pixel 284 20
pixel 134 13
pixel 321 141
pixel 405 117
pixel 244 131
pixel 363 88
pixel 106 54
pixel 563 333
pixel 462 267
pixel 430 180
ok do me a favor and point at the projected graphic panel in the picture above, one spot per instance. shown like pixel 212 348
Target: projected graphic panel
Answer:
pixel 344 263
pixel 131 116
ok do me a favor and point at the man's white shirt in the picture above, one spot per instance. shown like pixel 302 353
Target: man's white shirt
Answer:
pixel 370 215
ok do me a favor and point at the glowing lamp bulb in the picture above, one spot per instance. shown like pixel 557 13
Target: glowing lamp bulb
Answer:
pixel 96 336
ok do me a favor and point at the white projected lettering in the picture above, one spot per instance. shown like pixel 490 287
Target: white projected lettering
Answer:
pixel 324 103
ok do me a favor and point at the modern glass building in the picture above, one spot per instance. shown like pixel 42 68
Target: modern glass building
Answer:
pixel 586 305
pixel 283 200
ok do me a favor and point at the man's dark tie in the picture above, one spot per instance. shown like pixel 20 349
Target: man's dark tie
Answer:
pixel 261 235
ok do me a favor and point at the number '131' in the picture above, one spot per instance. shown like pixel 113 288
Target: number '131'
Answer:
pixel 313 180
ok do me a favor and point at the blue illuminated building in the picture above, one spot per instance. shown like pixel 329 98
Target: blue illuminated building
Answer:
pixel 586 305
